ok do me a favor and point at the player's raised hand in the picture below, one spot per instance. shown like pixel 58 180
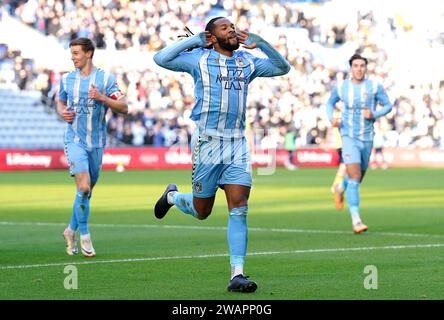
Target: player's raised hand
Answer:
pixel 243 37
pixel 205 38
pixel 368 114
pixel 68 115
pixel 208 41
pixel 95 94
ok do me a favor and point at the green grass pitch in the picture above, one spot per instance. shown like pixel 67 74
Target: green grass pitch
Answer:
pixel 299 246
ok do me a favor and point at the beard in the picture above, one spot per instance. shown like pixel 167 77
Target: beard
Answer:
pixel 226 45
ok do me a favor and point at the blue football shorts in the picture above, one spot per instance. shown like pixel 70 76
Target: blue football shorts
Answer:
pixel 218 161
pixel 81 159
pixel 356 151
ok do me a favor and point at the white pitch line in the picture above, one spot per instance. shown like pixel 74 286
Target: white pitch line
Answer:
pixel 204 228
pixel 204 256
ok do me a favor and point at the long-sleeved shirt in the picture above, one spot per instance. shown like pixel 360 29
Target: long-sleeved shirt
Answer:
pixel 221 82
pixel 356 98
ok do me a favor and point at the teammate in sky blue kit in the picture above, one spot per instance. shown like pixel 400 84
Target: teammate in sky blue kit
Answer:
pixel 360 96
pixel 84 97
pixel 219 150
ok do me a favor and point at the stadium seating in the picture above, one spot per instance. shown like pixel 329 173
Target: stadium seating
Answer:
pixel 26 123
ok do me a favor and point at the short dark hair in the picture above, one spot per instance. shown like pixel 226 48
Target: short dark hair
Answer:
pixel 210 25
pixel 357 56
pixel 85 43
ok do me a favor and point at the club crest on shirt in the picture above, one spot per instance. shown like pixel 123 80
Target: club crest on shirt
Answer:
pixel 240 62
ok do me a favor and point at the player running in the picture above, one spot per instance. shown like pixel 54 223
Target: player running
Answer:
pixel 360 96
pixel 84 97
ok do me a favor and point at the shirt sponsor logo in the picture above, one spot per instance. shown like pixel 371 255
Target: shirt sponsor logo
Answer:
pixel 233 79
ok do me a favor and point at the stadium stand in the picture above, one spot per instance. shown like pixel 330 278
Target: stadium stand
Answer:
pixel 316 39
pixel 27 123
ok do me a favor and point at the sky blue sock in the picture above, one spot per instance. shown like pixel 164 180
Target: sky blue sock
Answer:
pixel 345 182
pixel 73 225
pixel 353 195
pixel 81 209
pixel 184 202
pixel 237 235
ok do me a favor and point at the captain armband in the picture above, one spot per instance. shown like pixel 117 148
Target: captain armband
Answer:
pixel 116 95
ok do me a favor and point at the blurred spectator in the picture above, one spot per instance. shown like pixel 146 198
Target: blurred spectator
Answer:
pixel 127 136
pixel 161 103
pixel 290 146
pixel 138 132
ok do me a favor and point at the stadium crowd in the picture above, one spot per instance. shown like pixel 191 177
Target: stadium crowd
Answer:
pixel 310 37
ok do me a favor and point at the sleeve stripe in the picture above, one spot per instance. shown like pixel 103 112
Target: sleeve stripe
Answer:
pixel 63 82
pixel 105 81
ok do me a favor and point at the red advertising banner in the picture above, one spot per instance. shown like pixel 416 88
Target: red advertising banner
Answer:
pixel 426 158
pixel 129 158
pixel 13 159
pixel 156 158
pixel 180 158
